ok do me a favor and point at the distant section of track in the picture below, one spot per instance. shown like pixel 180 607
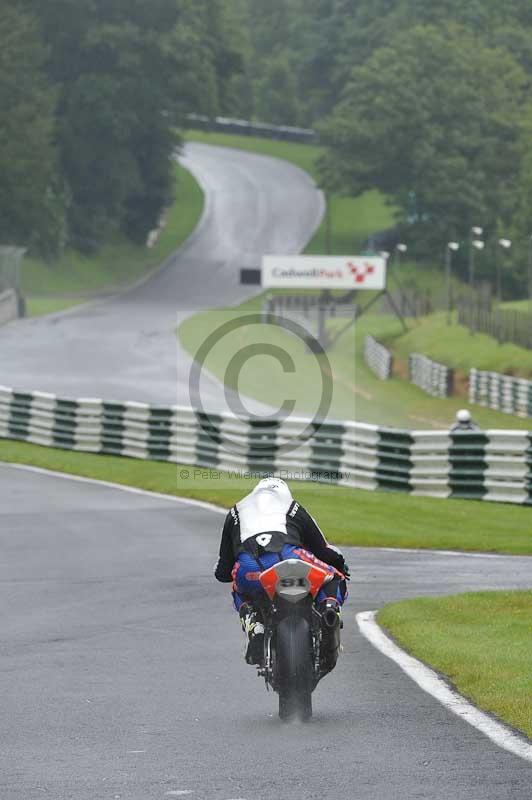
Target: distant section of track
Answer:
pixel 122 673
pixel 125 348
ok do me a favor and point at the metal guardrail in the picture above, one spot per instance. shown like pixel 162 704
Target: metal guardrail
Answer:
pixel 492 465
pixel 244 127
pixel 434 378
pixel 378 358
pixel 501 392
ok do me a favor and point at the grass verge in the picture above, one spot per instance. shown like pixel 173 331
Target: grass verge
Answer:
pixel 378 519
pixel 356 392
pixel 75 278
pixel 38 306
pixel 481 642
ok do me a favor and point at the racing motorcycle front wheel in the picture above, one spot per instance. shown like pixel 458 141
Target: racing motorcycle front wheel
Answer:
pixel 294 668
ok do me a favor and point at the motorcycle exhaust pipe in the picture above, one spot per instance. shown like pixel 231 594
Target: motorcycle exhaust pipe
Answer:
pixel 331 618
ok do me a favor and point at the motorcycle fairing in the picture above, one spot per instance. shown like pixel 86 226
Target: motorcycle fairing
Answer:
pixel 293 580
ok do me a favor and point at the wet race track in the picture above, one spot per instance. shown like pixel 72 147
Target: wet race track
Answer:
pixel 122 675
pixel 122 671
pixel 126 348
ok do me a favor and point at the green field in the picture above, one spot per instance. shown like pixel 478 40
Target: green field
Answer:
pixel 357 393
pixel 481 642
pixel 377 519
pixel 74 279
pixel 38 306
pixel 353 219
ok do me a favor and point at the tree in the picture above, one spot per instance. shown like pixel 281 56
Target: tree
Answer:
pixel 434 115
pixel 127 72
pixel 31 196
pixel 277 97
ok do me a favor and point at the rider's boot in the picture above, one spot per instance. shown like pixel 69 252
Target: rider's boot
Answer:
pixel 254 629
pixel 331 624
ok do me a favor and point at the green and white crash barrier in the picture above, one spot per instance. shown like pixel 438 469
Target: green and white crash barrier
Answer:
pixel 501 392
pixel 492 465
pixel 434 378
pixel 378 358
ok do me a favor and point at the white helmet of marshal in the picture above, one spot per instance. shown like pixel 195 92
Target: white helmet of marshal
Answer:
pixel 463 415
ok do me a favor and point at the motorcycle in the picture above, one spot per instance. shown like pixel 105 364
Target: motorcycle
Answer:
pixel 301 638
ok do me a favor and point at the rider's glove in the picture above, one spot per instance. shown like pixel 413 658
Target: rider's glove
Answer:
pixel 345 570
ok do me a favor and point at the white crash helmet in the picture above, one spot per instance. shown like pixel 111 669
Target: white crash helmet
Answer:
pixel 276 486
pixel 265 508
pixel 463 415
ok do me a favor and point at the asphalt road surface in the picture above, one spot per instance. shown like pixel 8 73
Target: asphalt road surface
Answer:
pixel 126 348
pixel 122 676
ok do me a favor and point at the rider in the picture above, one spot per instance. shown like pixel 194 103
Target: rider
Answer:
pixel 265 527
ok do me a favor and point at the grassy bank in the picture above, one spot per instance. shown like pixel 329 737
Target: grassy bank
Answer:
pixel 353 219
pixel 356 392
pixel 377 519
pixel 75 278
pixel 454 346
pixel 481 642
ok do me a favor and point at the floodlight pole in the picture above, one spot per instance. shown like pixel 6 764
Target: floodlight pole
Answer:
pixel 451 247
pixel 328 243
pixel 505 244
pixel 473 238
pixel 474 244
pixel 530 279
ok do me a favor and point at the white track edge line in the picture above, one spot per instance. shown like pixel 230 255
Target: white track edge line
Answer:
pixel 220 510
pixel 430 682
pixel 429 551
pixel 123 487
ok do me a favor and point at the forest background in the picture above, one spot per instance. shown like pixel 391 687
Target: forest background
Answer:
pixel 429 103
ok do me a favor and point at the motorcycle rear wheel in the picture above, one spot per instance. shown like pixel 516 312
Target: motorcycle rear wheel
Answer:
pixel 294 665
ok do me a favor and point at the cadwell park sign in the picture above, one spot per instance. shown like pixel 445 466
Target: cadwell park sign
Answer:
pixel 317 272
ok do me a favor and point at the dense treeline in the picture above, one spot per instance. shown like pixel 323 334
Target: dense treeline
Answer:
pixel 431 103
pixel 92 93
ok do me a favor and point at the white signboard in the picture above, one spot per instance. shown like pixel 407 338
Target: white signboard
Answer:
pixel 327 272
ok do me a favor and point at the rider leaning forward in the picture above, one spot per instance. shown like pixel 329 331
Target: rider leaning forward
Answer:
pixel 265 527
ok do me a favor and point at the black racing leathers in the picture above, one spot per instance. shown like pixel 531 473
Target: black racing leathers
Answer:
pixel 301 529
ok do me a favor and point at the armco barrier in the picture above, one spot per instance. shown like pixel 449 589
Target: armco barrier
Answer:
pixel 434 378
pixel 243 127
pixel 378 358
pixel 501 392
pixel 491 465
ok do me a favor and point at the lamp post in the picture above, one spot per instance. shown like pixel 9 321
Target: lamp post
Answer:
pixel 400 249
pixel 451 248
pixel 328 225
pixel 505 244
pixel 475 243
pixel 530 288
